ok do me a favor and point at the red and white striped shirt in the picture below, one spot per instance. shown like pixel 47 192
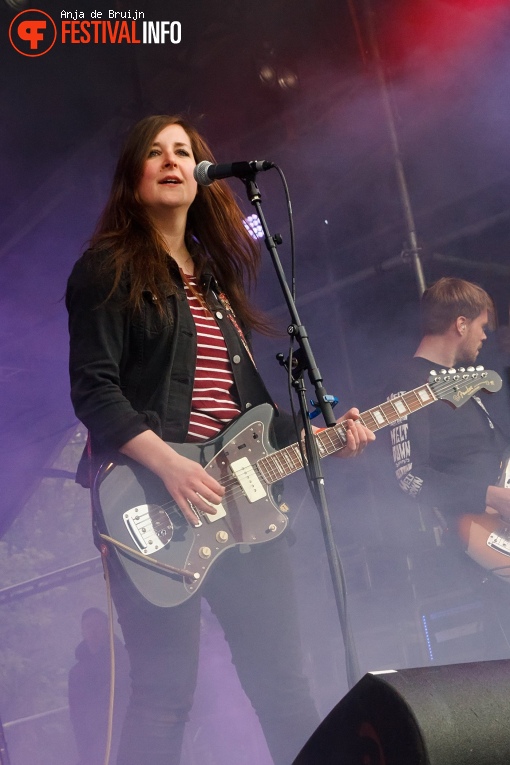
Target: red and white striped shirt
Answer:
pixel 212 403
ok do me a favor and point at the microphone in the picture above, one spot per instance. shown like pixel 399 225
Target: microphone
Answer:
pixel 205 172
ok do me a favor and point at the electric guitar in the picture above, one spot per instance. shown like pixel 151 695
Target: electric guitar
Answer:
pixel 486 535
pixel 167 558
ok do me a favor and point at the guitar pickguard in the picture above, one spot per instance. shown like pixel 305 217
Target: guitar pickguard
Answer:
pixel 133 507
pixel 251 517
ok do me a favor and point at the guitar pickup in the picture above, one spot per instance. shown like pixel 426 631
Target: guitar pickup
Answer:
pixel 220 512
pixel 248 479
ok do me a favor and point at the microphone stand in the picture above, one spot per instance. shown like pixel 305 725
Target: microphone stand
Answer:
pixel 307 362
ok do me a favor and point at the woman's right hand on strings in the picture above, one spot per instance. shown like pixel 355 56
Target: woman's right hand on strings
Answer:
pixel 188 482
pixel 185 480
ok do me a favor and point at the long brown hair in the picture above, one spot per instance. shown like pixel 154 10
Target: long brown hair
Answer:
pixel 215 234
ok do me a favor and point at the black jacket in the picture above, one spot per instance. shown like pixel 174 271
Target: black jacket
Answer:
pixel 134 372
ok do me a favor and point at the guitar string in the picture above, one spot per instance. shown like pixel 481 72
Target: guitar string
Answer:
pixel 292 451
pixel 232 482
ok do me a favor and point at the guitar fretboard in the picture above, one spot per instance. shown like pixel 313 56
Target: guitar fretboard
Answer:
pixel 286 461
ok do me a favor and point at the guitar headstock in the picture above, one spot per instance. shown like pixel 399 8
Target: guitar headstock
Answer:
pixel 458 385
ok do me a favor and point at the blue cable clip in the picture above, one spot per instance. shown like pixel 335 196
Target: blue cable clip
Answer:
pixel 329 399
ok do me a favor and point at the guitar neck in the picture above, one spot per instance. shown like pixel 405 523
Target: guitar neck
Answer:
pixel 284 462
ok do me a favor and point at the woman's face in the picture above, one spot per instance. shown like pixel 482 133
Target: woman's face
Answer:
pixel 167 180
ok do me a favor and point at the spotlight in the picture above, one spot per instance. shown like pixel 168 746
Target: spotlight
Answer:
pixel 278 77
pixel 267 74
pixel 253 226
pixel 287 79
pixel 16 5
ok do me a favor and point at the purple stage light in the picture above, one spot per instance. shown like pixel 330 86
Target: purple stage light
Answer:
pixel 253 226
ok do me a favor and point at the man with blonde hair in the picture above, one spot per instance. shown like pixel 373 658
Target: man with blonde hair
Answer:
pixel 449 459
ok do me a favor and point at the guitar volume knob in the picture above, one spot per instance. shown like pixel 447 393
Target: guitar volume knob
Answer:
pixel 205 552
pixel 222 536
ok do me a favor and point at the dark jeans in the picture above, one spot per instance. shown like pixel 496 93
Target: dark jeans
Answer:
pixel 252 595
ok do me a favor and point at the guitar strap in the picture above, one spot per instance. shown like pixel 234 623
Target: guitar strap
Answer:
pixel 233 320
pixel 498 431
pixel 480 403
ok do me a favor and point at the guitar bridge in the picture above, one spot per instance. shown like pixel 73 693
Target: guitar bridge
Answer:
pixel 499 542
pixel 149 526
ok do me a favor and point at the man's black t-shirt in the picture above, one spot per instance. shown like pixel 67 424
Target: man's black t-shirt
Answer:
pixel 445 457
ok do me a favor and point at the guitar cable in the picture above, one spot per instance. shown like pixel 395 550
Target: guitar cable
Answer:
pixel 109 599
pixel 148 559
pixel 104 552
pixel 111 700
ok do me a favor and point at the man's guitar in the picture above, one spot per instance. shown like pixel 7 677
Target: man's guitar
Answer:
pixel 165 557
pixel 487 536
